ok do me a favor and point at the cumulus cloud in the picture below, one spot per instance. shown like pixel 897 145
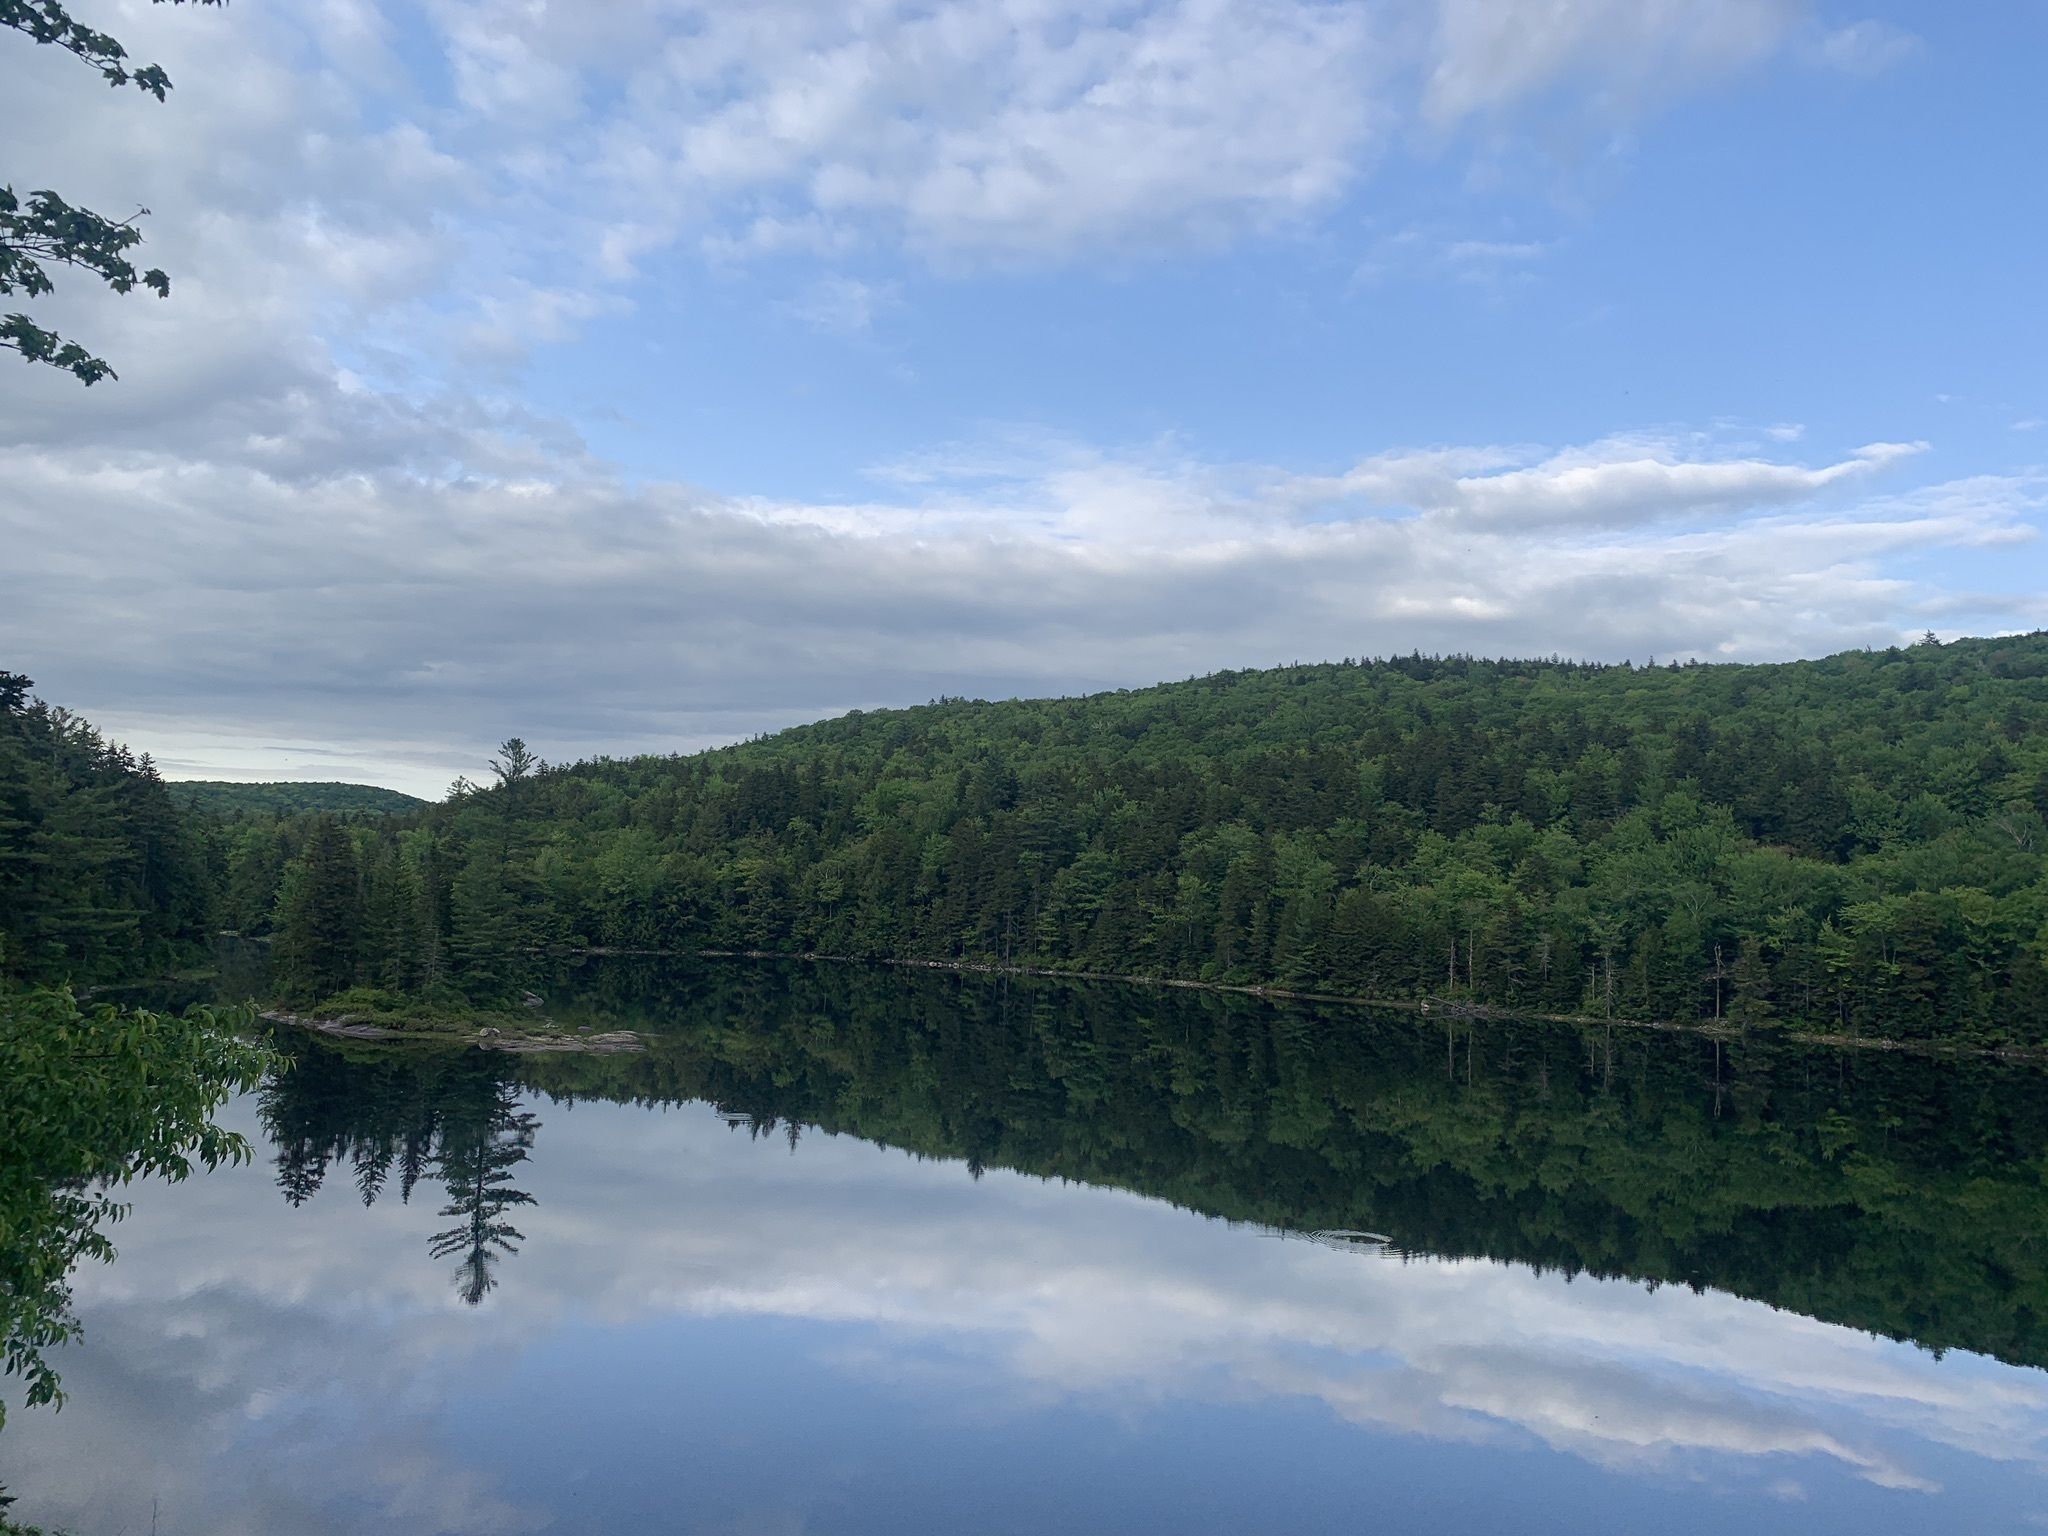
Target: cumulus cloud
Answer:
pixel 482 174
pixel 440 599
pixel 976 128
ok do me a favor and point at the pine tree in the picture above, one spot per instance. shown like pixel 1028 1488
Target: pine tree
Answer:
pixel 320 917
pixel 481 934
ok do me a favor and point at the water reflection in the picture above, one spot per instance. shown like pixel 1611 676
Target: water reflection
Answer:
pixel 456 1112
pixel 1898 1194
pixel 730 1310
pixel 475 1162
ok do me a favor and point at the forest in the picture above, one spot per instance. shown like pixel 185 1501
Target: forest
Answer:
pixel 1852 845
pixel 226 797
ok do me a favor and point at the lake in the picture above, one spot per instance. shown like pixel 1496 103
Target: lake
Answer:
pixel 851 1250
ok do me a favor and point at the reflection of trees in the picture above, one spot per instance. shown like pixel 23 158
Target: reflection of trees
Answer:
pixel 370 1112
pixel 475 1165
pixel 1899 1194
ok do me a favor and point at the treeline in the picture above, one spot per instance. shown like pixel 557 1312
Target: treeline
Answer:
pixel 1850 844
pixel 102 874
pixel 225 797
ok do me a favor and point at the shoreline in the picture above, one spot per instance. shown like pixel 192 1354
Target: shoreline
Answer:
pixel 611 1042
pixel 546 1041
pixel 1422 1007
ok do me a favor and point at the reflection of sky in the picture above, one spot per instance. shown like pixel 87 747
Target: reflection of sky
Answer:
pixel 708 1333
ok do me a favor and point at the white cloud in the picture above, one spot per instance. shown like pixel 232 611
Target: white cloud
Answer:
pixel 317 202
pixel 1622 482
pixel 1491 265
pixel 983 128
pixel 1867 48
pixel 1485 251
pixel 837 305
pixel 415 191
pixel 1618 54
pixel 478 581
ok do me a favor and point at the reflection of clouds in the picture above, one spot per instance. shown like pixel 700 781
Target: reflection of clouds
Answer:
pixel 232 1334
pixel 1103 1292
pixel 256 1414
pixel 1616 1416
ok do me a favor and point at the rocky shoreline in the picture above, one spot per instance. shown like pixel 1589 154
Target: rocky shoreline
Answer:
pixel 544 1040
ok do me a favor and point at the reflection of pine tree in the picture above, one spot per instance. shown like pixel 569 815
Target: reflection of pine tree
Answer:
pixel 301 1166
pixel 411 1164
pixel 372 1162
pixel 453 1117
pixel 475 1163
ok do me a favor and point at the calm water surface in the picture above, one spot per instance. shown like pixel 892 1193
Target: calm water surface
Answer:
pixel 883 1252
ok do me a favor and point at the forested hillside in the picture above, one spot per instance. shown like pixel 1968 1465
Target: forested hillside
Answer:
pixel 1851 843
pixel 226 797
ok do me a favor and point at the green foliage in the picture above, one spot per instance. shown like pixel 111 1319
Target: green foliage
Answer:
pixel 444 1012
pixel 1851 845
pixel 320 914
pixel 89 1100
pixel 42 230
pixel 224 797
pixel 101 876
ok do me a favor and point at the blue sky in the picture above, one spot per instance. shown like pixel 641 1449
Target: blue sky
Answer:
pixel 648 376
pixel 1840 250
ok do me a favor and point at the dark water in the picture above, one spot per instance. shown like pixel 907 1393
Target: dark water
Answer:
pixel 851 1251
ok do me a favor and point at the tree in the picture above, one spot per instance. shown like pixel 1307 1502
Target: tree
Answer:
pixel 41 230
pixel 319 927
pixel 482 927
pixel 514 767
pixel 513 764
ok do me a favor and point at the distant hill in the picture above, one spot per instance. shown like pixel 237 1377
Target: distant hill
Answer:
pixel 224 797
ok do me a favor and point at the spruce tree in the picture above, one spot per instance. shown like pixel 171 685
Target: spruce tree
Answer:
pixel 320 923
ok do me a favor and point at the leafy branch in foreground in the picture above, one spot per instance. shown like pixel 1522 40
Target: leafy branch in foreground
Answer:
pixel 91 1099
pixel 45 229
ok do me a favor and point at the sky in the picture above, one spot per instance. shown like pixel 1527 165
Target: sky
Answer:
pixel 650 375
